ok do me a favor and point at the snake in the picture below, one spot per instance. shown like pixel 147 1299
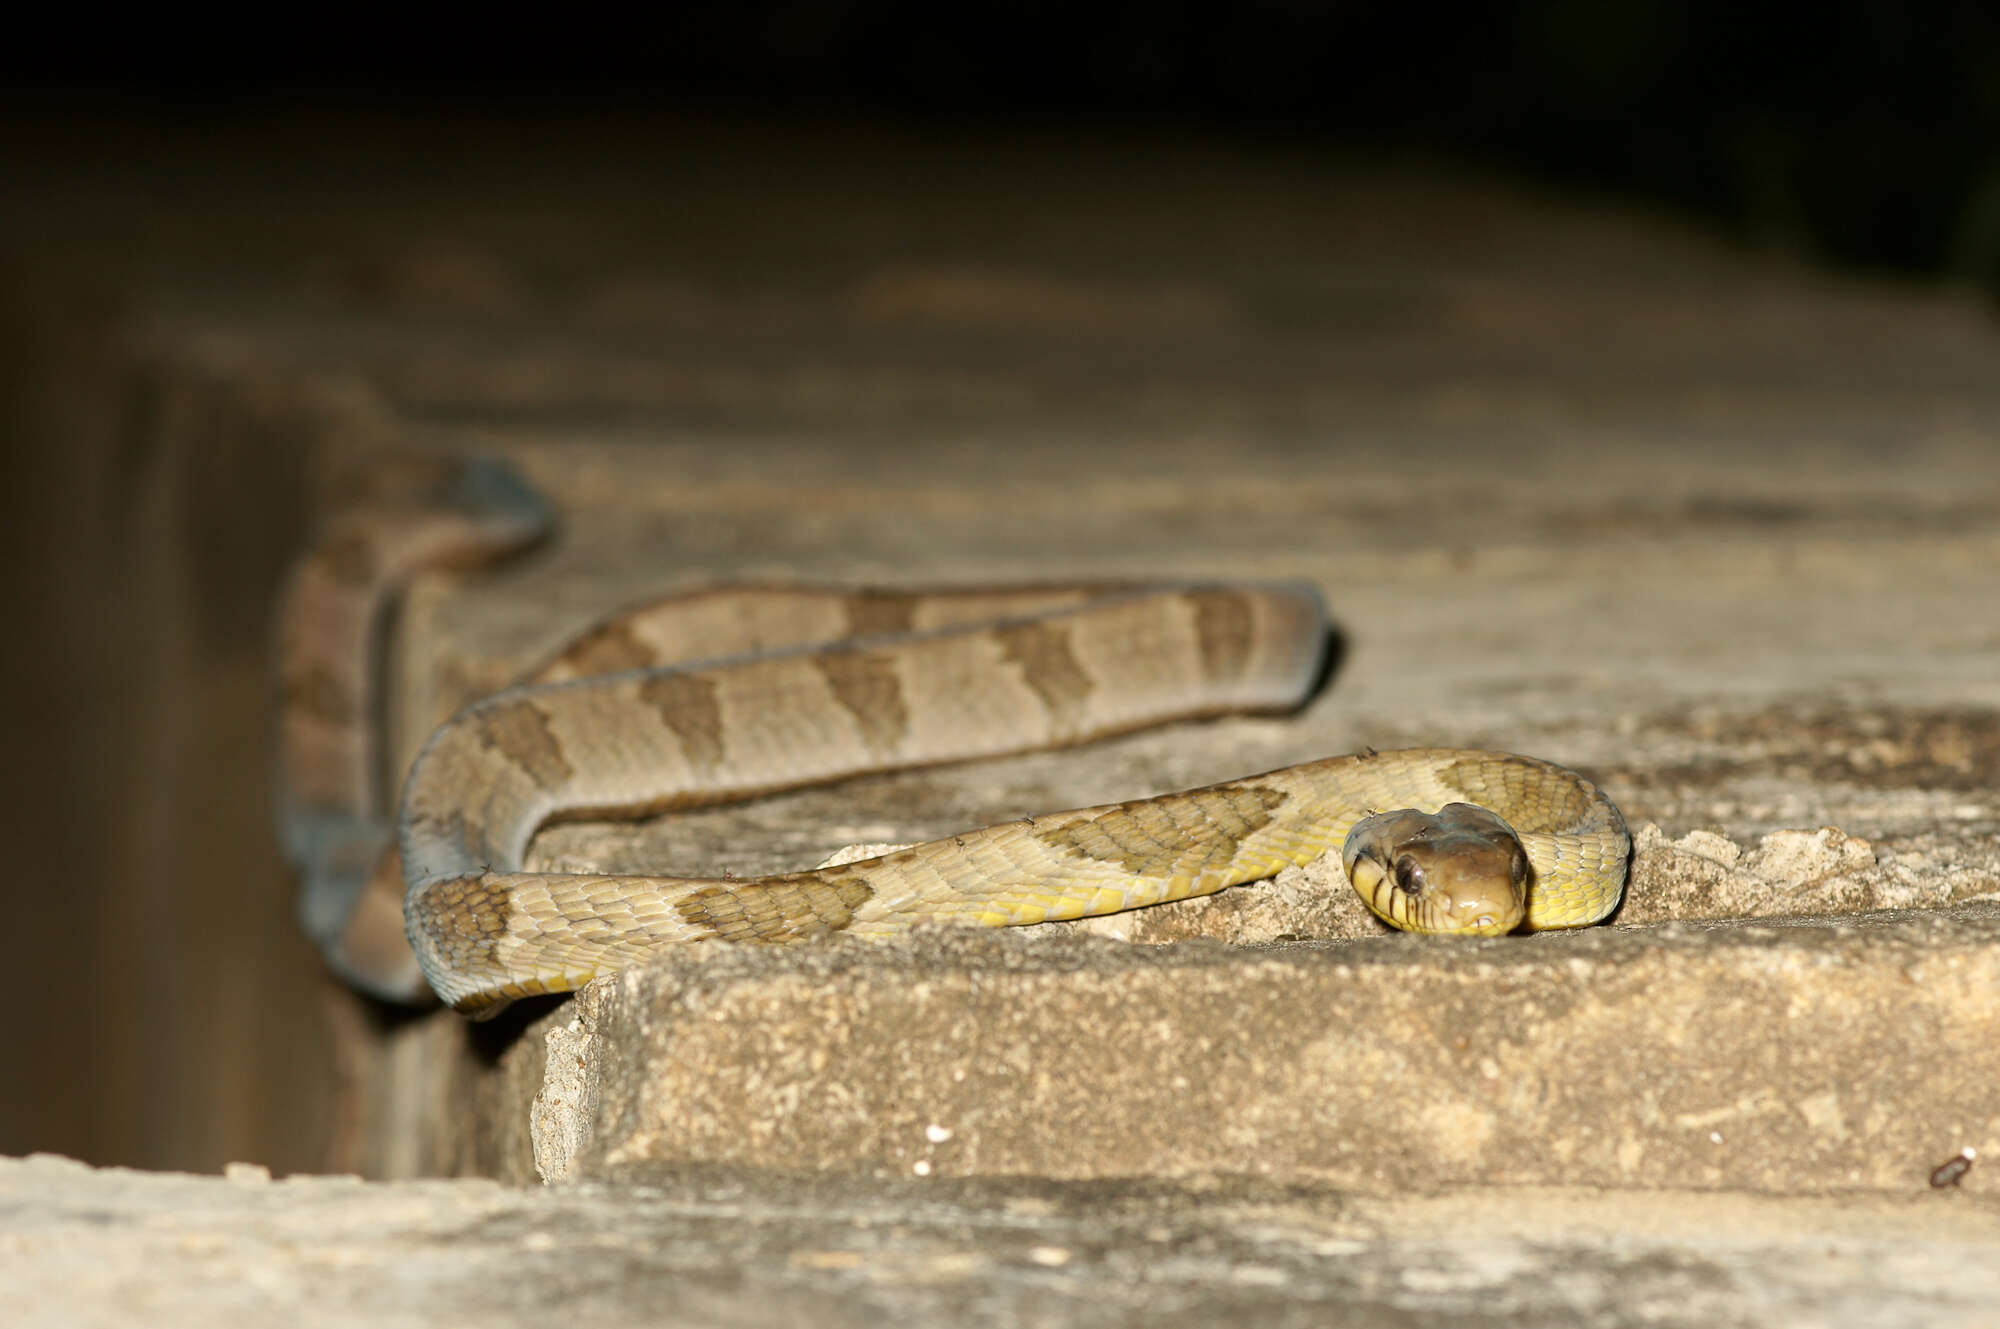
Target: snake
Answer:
pixel 722 693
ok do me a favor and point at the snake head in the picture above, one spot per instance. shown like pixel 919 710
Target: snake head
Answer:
pixel 1460 871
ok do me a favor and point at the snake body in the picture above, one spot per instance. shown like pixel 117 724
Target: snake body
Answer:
pixel 717 695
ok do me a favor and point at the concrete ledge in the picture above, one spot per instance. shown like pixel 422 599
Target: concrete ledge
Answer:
pixel 1769 1056
pixel 81 1248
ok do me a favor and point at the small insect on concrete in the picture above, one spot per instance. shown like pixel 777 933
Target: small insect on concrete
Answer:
pixel 1952 1169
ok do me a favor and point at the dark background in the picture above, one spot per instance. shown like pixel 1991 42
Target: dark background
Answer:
pixel 1857 131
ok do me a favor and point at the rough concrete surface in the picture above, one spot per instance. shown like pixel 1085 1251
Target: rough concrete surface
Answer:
pixel 1754 1057
pixel 81 1248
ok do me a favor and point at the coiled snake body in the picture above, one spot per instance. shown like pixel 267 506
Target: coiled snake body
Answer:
pixel 791 686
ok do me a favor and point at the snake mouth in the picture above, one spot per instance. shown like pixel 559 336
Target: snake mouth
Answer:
pixel 1483 918
pixel 1458 872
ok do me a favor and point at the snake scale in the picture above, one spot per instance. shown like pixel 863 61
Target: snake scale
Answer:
pixel 716 695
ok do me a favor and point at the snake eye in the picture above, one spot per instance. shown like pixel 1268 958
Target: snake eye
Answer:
pixel 1409 875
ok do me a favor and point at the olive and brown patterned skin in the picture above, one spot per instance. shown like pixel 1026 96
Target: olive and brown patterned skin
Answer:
pixel 392 517
pixel 488 937
pixel 802 685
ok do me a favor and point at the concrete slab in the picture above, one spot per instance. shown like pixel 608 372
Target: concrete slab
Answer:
pixel 1770 1057
pixel 82 1248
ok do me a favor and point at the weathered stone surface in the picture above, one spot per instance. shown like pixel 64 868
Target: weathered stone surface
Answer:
pixel 81 1248
pixel 1801 1056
